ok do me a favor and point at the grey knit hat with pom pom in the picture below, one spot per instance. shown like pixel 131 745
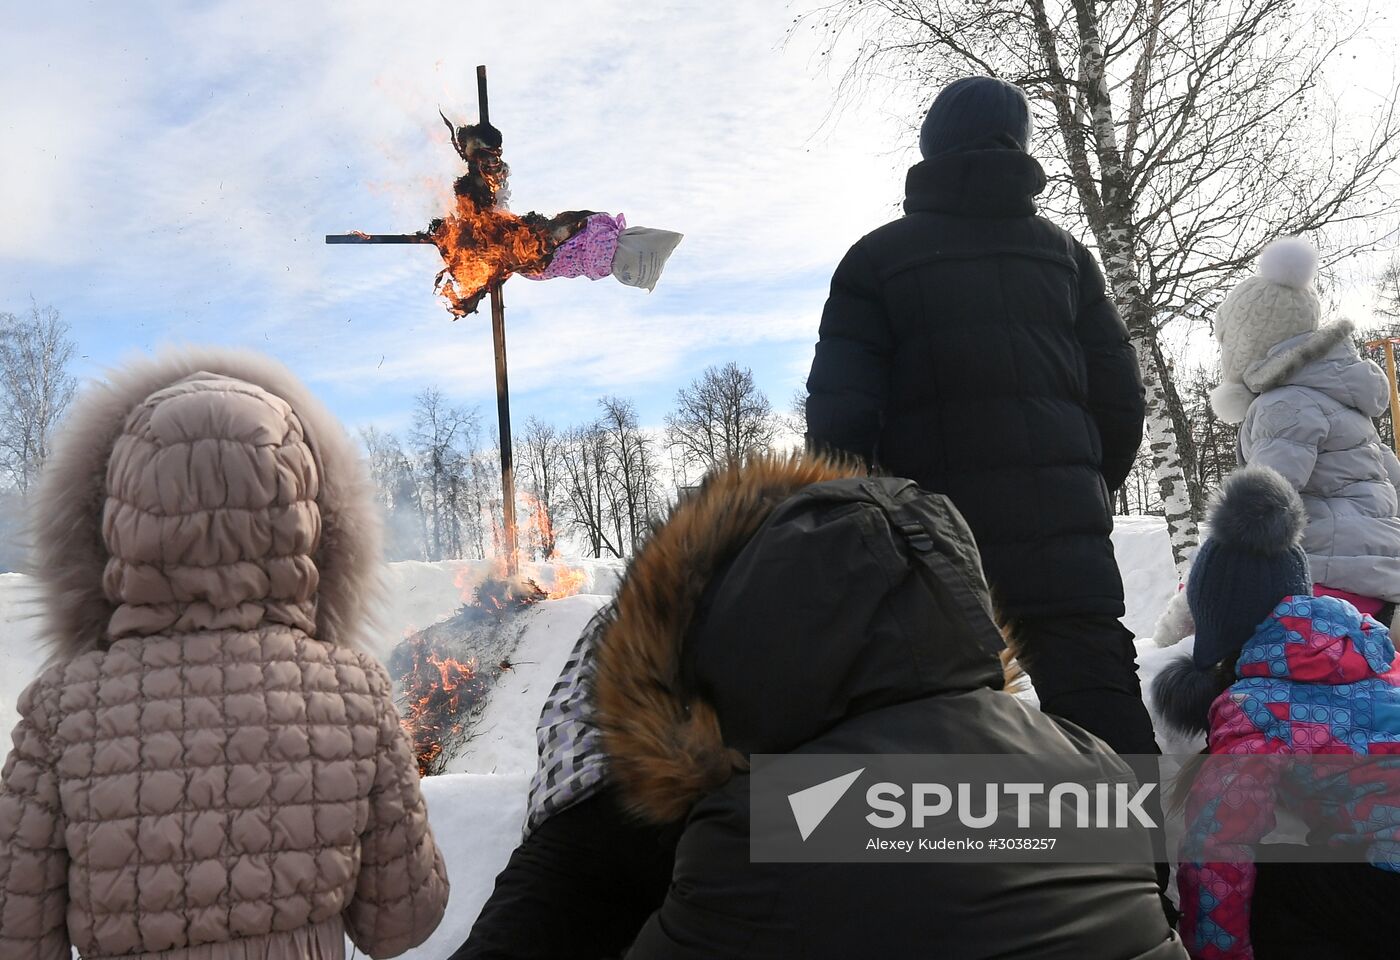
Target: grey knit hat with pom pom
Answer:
pixel 1276 304
pixel 1252 559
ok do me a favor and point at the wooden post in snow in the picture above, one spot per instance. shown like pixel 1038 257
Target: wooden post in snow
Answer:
pixel 498 339
pixel 1389 345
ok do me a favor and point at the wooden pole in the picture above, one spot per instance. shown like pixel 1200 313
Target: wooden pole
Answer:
pixel 498 338
pixel 378 238
pixel 483 108
pixel 1394 396
pixel 1388 345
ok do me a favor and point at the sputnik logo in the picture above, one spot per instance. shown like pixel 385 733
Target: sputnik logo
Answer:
pixel 810 806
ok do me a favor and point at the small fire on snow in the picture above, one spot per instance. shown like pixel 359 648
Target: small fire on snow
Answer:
pixel 438 694
pixel 441 692
pixel 497 593
pixel 568 582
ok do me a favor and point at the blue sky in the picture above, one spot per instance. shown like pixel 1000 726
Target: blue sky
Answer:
pixel 170 170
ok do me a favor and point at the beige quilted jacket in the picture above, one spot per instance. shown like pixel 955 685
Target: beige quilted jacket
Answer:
pixel 210 769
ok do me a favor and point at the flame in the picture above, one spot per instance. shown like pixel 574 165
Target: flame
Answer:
pixel 482 246
pixel 482 243
pixel 568 581
pixel 538 528
pixel 439 691
pixel 438 694
pixel 452 671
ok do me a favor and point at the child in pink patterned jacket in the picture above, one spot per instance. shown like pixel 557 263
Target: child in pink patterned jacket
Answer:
pixel 1277 675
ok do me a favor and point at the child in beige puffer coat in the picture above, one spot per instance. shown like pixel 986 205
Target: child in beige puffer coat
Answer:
pixel 209 769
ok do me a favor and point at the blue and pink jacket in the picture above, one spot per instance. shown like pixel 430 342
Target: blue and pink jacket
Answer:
pixel 1316 678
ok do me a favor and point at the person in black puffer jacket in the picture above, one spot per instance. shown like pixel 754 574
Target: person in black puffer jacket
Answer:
pixel 970 346
pixel 789 606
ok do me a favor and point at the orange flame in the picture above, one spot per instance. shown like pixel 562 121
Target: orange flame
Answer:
pixel 438 693
pixel 568 581
pixel 481 247
pixel 538 528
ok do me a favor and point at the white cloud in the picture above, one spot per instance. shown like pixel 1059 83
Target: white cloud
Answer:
pixel 170 169
pixel 181 163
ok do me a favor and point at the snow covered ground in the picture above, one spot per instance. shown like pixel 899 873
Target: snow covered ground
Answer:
pixel 477 809
pixel 1149 577
pixel 19 656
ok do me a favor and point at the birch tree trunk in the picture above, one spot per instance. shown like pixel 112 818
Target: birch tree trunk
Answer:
pixel 1112 220
pixel 1168 466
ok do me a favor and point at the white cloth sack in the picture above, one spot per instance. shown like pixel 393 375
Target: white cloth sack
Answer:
pixel 641 255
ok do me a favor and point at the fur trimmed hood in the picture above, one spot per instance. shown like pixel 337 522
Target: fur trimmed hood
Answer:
pixel 1278 368
pixel 108 453
pixel 769 606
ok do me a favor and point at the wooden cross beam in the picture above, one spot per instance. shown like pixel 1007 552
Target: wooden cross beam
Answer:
pixel 498 337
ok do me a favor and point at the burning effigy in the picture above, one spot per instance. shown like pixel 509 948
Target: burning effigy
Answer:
pixel 483 243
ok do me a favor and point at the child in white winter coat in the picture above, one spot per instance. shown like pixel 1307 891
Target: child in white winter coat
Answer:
pixel 1304 401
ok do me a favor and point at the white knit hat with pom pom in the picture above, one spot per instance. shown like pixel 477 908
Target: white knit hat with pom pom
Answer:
pixel 1276 304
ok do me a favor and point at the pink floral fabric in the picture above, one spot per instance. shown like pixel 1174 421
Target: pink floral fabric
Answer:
pixel 588 253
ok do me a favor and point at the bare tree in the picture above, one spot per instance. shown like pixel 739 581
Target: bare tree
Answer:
pixel 444 437
pixel 396 489
pixel 632 471
pixel 35 389
pixel 583 458
pixel 1216 442
pixel 609 479
pixel 1139 493
pixel 795 420
pixel 541 446
pixel 1388 290
pixel 483 501
pixel 1183 135
pixel 720 417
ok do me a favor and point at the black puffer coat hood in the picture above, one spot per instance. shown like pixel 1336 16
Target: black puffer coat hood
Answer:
pixel 777 601
pixel 830 612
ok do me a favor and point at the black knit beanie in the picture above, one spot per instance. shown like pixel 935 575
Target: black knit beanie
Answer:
pixel 974 109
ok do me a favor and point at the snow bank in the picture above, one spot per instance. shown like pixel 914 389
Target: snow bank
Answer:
pixel 476 819
pixel 1149 577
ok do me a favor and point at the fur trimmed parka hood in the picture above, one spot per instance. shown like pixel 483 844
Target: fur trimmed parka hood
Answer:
pixel 777 601
pixel 1354 381
pixel 209 768
pixel 202 489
